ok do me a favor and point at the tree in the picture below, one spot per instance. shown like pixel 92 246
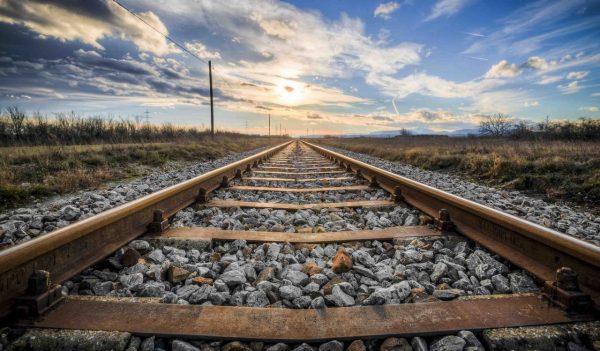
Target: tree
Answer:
pixel 496 125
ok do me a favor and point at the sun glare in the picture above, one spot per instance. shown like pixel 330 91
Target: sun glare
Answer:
pixel 290 92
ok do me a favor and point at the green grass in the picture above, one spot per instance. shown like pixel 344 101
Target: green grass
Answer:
pixel 35 172
pixel 557 170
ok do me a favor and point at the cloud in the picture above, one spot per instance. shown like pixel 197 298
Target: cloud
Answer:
pixel 446 8
pixel 503 69
pixel 589 108
pixel 570 88
pixel 314 116
pixel 382 118
pixel 549 80
pixel 285 46
pixel 596 94
pixel 520 30
pixel 531 103
pixel 201 51
pixel 536 62
pixel 86 21
pixel 384 10
pixel 478 35
pixel 577 75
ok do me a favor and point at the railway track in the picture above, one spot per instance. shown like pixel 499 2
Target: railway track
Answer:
pixel 299 244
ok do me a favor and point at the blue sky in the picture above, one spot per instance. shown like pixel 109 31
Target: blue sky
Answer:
pixel 326 66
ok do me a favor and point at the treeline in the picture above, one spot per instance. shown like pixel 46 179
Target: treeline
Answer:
pixel 500 125
pixel 17 128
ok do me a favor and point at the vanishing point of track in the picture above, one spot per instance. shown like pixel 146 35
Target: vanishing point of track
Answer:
pixel 567 268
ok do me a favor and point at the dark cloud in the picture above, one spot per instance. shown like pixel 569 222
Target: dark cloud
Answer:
pixel 97 61
pixel 86 21
pixel 382 118
pixel 314 116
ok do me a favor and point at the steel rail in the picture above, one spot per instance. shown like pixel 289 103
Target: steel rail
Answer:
pixel 67 251
pixel 537 249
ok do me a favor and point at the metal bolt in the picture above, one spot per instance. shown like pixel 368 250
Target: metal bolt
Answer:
pixel 158 215
pixel 566 279
pixel 225 182
pixel 444 215
pixel 38 282
pixel 201 196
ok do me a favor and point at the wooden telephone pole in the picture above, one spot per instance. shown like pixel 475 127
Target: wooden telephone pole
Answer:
pixel 212 113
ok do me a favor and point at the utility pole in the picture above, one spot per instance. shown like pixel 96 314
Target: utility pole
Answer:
pixel 212 113
pixel 147 117
pixel 269 124
pixel 279 129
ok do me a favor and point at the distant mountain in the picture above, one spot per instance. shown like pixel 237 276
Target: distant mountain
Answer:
pixel 418 131
pixel 464 132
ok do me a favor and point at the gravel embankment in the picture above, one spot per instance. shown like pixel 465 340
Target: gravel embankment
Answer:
pixel 25 223
pixel 560 217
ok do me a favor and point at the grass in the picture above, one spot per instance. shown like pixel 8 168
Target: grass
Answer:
pixel 557 170
pixel 34 172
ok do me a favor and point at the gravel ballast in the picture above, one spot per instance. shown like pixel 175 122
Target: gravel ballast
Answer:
pixel 238 273
pixel 560 217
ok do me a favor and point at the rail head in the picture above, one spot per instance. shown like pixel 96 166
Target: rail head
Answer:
pixel 488 222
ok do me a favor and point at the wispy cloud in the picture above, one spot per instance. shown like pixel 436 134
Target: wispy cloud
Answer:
pixel 446 8
pixel 526 29
pixel 478 35
pixel 570 88
pixel 589 108
pixel 577 75
pixel 549 80
pixel 384 10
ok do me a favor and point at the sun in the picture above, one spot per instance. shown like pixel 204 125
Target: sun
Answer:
pixel 290 92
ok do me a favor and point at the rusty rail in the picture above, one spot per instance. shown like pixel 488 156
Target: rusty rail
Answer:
pixel 68 250
pixel 532 247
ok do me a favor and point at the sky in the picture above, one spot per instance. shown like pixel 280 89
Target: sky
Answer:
pixel 317 67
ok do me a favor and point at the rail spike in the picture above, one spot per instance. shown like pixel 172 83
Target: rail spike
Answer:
pixel 41 296
pixel 238 174
pixel 565 293
pixel 443 223
pixel 225 182
pixel 159 223
pixel 202 196
pixel 397 195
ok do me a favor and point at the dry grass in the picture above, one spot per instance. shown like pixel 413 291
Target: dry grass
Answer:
pixel 28 173
pixel 566 170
